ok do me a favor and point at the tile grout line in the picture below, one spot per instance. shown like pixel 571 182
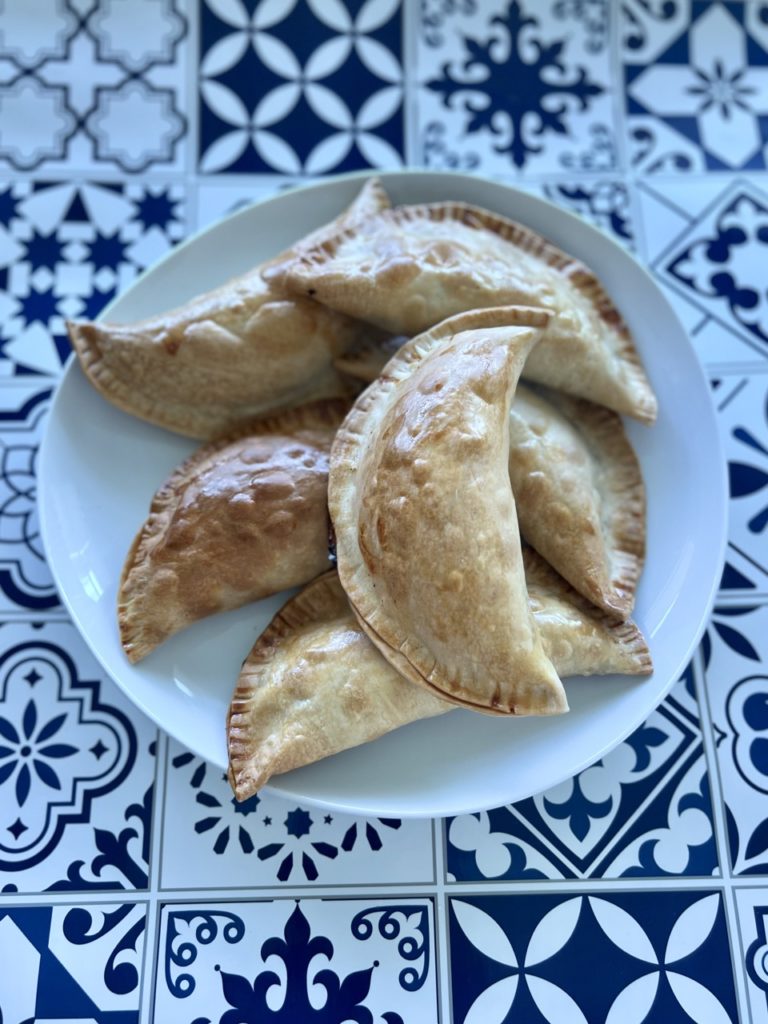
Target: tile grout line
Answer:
pixel 442 948
pixel 717 799
pixel 152 930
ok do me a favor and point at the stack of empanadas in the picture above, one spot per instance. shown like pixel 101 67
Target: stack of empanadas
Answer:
pixel 489 535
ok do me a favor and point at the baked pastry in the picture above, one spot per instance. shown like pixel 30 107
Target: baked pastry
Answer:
pixel 579 494
pixel 230 355
pixel 427 539
pixel 408 268
pixel 242 518
pixel 313 684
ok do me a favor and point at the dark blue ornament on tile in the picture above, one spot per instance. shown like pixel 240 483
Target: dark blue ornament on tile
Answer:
pixel 521 96
pixel 662 954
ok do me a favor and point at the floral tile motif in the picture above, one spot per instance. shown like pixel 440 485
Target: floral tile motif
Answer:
pixel 297 960
pixel 735 650
pixel 716 263
pixel 101 85
pixel 25 580
pixel 211 840
pixel 66 250
pixel 76 768
pixel 696 91
pixel 308 87
pixel 742 405
pixel 72 962
pixel 644 810
pixel 752 910
pixel 663 956
pixel 607 204
pixel 508 86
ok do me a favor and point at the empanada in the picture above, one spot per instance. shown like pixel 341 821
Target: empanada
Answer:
pixel 579 494
pixel 230 355
pixel 242 518
pixel 406 269
pixel 314 685
pixel 427 539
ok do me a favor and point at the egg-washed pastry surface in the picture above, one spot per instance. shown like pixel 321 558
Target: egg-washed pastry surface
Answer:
pixel 579 494
pixel 242 518
pixel 313 684
pixel 427 540
pixel 408 268
pixel 232 354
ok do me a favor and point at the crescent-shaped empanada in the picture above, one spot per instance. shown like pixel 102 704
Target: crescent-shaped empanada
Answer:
pixel 408 268
pixel 313 684
pixel 579 494
pixel 227 356
pixel 242 518
pixel 427 539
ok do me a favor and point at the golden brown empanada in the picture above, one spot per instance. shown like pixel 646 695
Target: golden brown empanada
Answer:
pixel 314 685
pixel 406 269
pixel 229 355
pixel 427 539
pixel 242 518
pixel 579 494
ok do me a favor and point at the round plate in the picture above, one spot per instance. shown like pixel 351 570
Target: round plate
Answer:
pixel 99 469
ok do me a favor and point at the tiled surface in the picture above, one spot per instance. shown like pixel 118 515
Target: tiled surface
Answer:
pixel 133 888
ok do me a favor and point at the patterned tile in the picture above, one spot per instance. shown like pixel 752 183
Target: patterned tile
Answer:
pixel 249 961
pixel 742 404
pixel 99 87
pixel 662 956
pixel 76 768
pixel 79 963
pixel 716 264
pixel 697 86
pixel 607 204
pixel 752 909
pixel 216 201
pixel 25 580
pixel 736 652
pixel 642 811
pixel 65 251
pixel 509 85
pixel 210 839
pixel 309 87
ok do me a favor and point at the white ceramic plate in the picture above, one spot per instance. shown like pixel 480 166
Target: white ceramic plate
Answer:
pixel 100 467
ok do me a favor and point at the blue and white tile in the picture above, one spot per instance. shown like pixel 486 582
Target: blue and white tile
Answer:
pixel 735 649
pixel 716 263
pixel 696 90
pixel 86 86
pixel 26 585
pixel 77 963
pixel 66 250
pixel 515 86
pixel 704 241
pixel 209 839
pixel 752 911
pixel 742 406
pixel 662 956
pixel 307 87
pixel 76 768
pixel 606 203
pixel 218 200
pixel 643 810
pixel 297 960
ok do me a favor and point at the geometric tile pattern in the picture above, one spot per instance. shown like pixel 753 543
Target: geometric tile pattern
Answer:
pixel 300 960
pixel 644 810
pixel 133 886
pixel 512 86
pixel 696 87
